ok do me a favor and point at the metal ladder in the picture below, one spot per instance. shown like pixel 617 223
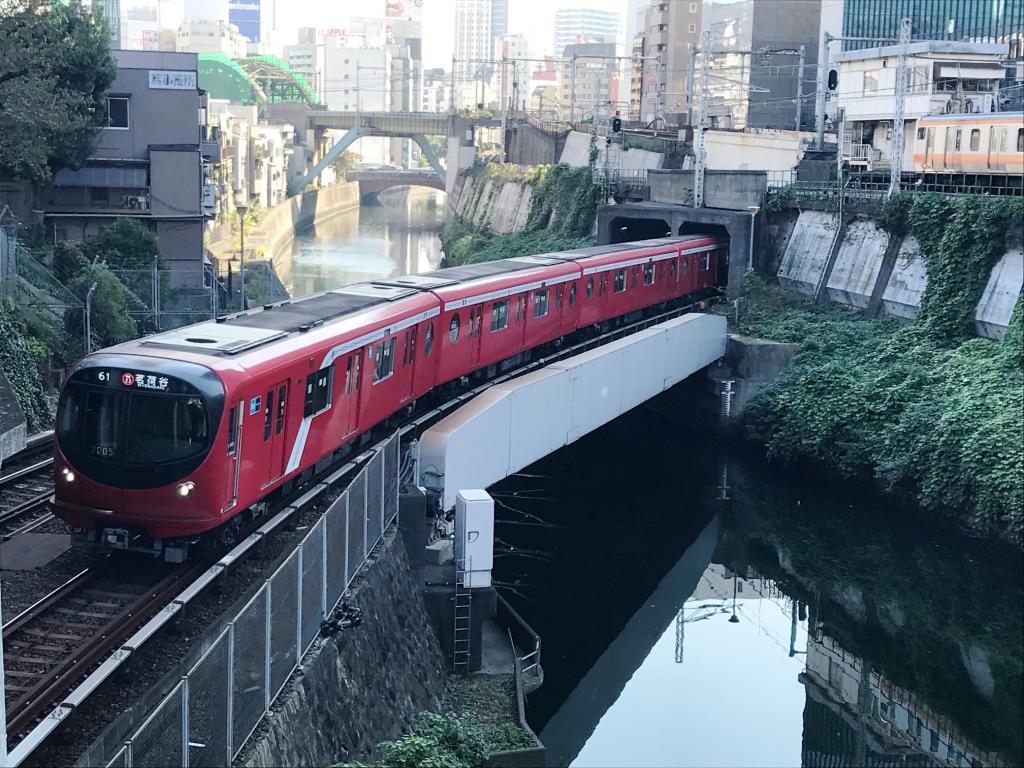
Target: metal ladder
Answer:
pixel 463 606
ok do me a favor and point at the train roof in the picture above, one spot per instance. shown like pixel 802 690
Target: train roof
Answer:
pixel 1016 118
pixel 234 334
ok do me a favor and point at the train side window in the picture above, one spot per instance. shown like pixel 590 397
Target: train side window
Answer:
pixel 604 285
pixel 384 359
pixel 281 403
pixel 453 329
pixel 540 303
pixel 590 287
pixel 636 276
pixel 428 340
pixel 959 134
pixel 975 139
pixel 499 315
pixel 648 274
pixel 1020 139
pixel 929 146
pixel 572 295
pixel 920 133
pixel 268 409
pixel 233 430
pixel 620 281
pixel 672 269
pixel 705 262
pixel 318 391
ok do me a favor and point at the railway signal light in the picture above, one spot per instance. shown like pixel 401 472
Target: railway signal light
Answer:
pixel 616 123
pixel 833 79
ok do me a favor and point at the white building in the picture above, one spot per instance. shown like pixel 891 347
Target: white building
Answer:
pixel 943 77
pixel 306 57
pixel 472 48
pixel 210 37
pixel 358 79
pixel 511 72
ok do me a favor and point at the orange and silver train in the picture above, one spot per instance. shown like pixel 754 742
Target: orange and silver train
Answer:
pixel 987 143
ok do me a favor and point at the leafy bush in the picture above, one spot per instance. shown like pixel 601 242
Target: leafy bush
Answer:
pixel 436 741
pixel 23 362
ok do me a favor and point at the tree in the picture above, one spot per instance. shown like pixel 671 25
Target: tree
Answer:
pixel 125 244
pixel 55 67
pixel 110 321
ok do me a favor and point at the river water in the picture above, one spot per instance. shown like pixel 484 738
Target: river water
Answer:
pixel 374 241
pixel 701 609
pixel 698 608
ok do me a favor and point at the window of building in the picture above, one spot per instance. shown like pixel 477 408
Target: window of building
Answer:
pixel 98 195
pixel 648 274
pixel 871 82
pixel 117 112
pixel 453 329
pixel 384 359
pixel 620 281
pixel 975 139
pixel 318 391
pixel 590 287
pixel 499 315
pixel 692 29
pixel 540 303
pixel 693 7
pixel 428 340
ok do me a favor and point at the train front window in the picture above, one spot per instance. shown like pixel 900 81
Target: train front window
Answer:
pixel 163 429
pixel 90 420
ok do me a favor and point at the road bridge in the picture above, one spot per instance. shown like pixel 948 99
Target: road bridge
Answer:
pixel 372 183
pixel 415 126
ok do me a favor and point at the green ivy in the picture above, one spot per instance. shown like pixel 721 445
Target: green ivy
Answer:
pixel 24 363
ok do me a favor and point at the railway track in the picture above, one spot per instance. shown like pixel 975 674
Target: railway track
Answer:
pixel 26 488
pixel 52 644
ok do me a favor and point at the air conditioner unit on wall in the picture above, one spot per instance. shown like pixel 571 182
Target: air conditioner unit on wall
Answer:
pixel 136 202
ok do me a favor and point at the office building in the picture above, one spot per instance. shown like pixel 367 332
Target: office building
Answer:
pixel 584 25
pixel 210 37
pixel 499 18
pixel 759 89
pixel 662 61
pixel 358 79
pixel 590 89
pixel 975 21
pixel 148 164
pixel 510 73
pixel 306 57
pixel 132 24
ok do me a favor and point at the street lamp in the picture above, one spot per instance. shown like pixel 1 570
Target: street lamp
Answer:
pixel 242 208
pixel 734 619
pixel 750 256
pixel 88 318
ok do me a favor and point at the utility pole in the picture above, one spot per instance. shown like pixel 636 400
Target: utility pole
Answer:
pixel 689 83
pixel 88 318
pixel 698 174
pixel 242 209
pixel 819 107
pixel 896 166
pixel 572 92
pixel 451 88
pixel 800 89
pixel 659 116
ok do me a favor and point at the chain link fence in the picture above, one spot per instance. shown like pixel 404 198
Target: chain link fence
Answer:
pixel 209 715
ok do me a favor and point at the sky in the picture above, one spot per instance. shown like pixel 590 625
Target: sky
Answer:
pixel 533 18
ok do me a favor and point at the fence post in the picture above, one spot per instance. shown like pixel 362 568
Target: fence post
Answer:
pixel 366 510
pixel 346 543
pixel 231 693
pixel 323 568
pixel 383 489
pixel 185 739
pixel 267 653
pixel 298 612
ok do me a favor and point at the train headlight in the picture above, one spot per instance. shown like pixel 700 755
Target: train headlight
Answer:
pixel 185 489
pixel 69 476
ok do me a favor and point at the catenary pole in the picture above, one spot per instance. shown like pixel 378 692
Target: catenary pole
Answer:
pixel 896 166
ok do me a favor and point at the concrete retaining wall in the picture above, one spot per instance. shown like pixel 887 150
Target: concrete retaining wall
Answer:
pixel 577 154
pixel 283 221
pixel 858 269
pixel 733 190
pixel 807 251
pixel 857 266
pixel 12 421
pixel 502 207
pixel 364 685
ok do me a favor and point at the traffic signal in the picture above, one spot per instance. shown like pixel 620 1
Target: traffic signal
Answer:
pixel 833 79
pixel 616 124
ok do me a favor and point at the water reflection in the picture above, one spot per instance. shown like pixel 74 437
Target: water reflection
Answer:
pixel 779 626
pixel 396 237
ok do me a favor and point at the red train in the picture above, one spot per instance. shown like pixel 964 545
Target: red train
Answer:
pixel 162 442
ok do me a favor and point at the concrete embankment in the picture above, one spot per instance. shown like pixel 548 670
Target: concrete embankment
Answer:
pixel 364 684
pixel 282 222
pixel 860 265
pixel 503 207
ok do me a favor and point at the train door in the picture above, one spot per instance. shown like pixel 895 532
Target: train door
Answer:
pixel 929 147
pixel 350 392
pixel 409 361
pixel 275 416
pixel 234 451
pixel 475 324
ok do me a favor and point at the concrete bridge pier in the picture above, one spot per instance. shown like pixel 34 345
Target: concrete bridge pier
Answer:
pixel 461 154
pixel 638 221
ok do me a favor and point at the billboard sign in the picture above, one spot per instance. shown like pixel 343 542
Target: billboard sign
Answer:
pixel 411 10
pixel 245 14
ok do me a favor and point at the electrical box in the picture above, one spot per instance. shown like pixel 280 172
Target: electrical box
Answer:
pixel 474 537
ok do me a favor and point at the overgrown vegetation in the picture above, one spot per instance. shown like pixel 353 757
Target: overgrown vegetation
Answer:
pixel 54 69
pixel 930 413
pixel 563 206
pixel 24 358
